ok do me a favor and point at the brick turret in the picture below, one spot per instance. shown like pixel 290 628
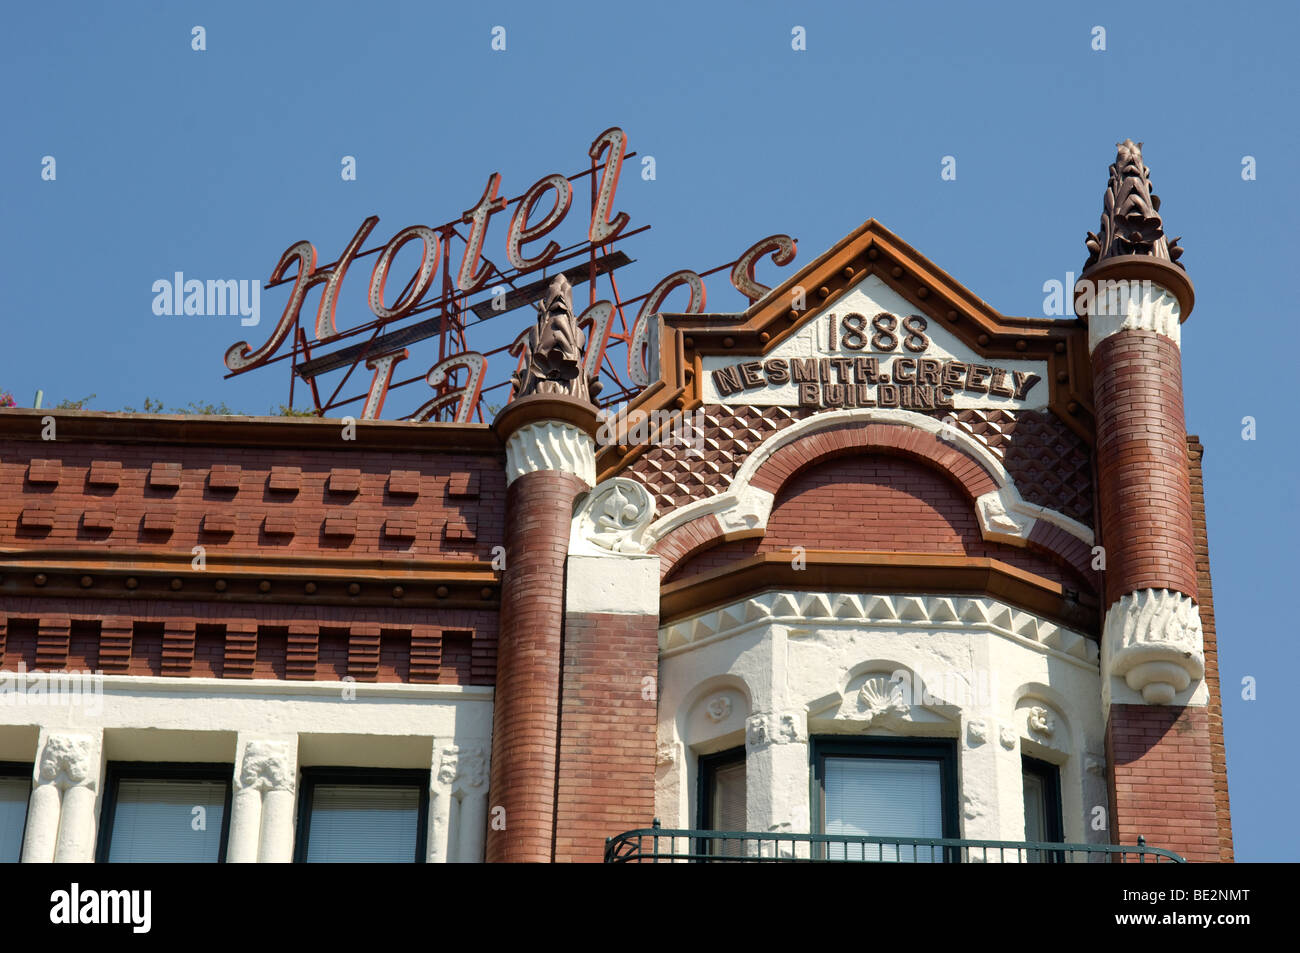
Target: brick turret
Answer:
pixel 1134 294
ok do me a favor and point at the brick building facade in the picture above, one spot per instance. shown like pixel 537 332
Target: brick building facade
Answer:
pixel 909 551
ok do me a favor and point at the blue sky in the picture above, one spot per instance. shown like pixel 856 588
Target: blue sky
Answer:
pixel 212 163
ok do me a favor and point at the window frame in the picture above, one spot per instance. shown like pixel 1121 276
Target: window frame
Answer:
pixel 377 777
pixel 161 771
pixel 1053 816
pixel 708 765
pixel 21 769
pixel 943 750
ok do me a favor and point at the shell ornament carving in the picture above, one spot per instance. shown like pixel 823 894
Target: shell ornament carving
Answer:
pixel 882 699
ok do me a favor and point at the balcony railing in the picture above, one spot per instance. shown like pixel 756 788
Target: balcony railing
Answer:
pixel 655 845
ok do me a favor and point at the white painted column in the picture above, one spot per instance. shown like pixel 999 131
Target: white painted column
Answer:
pixel 261 817
pixel 457 802
pixel 992 784
pixel 61 815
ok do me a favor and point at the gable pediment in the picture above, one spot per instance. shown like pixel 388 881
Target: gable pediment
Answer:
pixel 870 272
pixel 871 348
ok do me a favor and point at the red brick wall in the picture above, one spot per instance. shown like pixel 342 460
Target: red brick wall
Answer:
pixel 1162 785
pixel 880 504
pixel 526 712
pixel 421 505
pixel 1143 491
pixel 1219 763
pixel 121 637
pixel 606 778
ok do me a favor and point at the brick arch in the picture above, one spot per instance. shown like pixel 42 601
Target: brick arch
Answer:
pixel 812 449
pixel 817 440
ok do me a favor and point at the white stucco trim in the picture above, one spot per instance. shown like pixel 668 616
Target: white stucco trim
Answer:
pixel 622 585
pixel 1154 650
pixel 882 611
pixel 1004 515
pixel 265 728
pixel 826 665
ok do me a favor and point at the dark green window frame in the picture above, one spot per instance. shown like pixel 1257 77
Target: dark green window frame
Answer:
pixel 709 765
pixel 160 771
pixel 942 750
pixel 1050 776
pixel 379 777
pixel 20 769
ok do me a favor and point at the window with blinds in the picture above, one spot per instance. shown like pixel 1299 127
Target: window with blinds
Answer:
pixel 879 788
pixel 363 816
pixel 1042 787
pixel 722 801
pixel 165 813
pixel 15 791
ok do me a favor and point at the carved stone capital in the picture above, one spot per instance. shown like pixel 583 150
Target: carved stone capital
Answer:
pixel 1153 639
pixel 1129 304
pixel 462 766
pixel 780 728
pixel 69 760
pixel 267 766
pixel 551 445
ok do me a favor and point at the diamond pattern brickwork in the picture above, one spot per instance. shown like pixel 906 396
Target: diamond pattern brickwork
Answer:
pixel 1051 465
pixel 678 475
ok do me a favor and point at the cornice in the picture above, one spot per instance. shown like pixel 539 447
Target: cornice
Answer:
pixel 884 573
pixel 84 426
pixel 72 575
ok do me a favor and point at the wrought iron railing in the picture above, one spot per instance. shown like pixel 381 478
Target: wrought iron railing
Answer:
pixel 656 845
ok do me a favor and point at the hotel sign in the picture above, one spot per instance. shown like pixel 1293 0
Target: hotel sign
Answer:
pixel 453 266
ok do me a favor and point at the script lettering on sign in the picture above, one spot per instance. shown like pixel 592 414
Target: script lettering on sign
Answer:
pixel 451 263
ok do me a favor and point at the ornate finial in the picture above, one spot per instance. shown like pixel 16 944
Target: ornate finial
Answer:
pixel 552 354
pixel 1130 221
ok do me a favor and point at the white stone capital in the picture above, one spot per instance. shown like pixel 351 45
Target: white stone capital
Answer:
pixel 551 445
pixel 1152 639
pixel 1114 305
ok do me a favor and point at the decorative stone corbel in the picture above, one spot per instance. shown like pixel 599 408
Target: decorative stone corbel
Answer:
pixel 613 519
pixel 1001 516
pixel 1152 638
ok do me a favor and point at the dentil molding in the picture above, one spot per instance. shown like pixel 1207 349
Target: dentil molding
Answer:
pixel 1152 638
pixel 857 610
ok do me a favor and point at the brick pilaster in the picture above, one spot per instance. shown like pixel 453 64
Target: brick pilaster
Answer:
pixel 606 772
